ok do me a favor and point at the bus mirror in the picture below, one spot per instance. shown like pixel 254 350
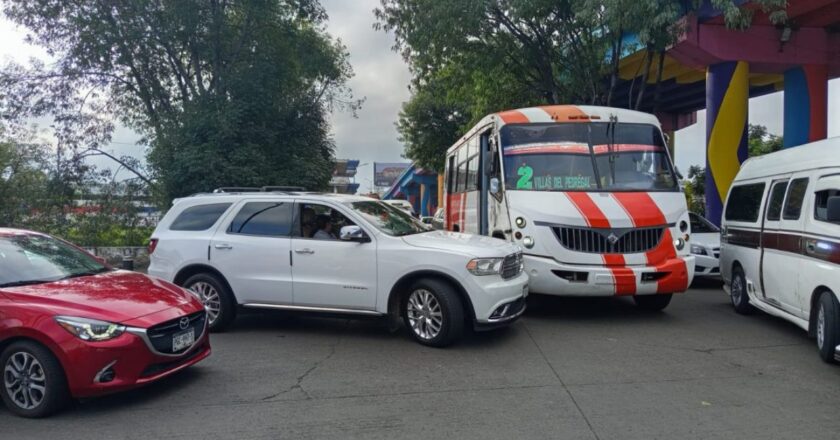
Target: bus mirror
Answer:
pixel 494 185
pixel 833 211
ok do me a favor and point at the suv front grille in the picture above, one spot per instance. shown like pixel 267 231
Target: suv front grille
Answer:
pixel 609 240
pixel 161 335
pixel 512 266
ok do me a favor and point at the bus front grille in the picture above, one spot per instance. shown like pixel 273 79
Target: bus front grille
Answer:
pixel 609 240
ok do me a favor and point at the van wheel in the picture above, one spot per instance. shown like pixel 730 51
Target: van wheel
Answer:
pixel 828 328
pixel 217 298
pixel 433 313
pixel 654 302
pixel 738 292
pixel 33 380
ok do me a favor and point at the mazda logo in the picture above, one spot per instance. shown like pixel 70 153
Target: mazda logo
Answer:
pixel 184 323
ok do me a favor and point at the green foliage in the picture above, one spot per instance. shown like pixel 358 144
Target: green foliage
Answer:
pixel 695 189
pixel 225 93
pixel 761 142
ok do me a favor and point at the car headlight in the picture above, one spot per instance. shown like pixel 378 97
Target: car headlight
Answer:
pixel 90 329
pixel 485 266
pixel 697 249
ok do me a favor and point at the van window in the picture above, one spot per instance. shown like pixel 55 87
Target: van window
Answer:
pixel 744 202
pixel 199 217
pixel 271 219
pixel 777 196
pixel 795 197
pixel 821 203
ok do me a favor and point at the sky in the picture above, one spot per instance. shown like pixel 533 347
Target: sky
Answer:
pixel 382 78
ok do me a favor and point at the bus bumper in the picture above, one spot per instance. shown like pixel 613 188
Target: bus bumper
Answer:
pixel 549 277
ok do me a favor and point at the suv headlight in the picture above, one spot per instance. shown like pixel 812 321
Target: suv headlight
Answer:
pixel 90 329
pixel 697 249
pixel 485 266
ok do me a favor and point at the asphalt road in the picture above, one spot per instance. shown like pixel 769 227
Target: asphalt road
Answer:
pixel 588 369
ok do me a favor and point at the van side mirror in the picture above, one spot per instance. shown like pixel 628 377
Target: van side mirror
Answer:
pixel 353 233
pixel 494 185
pixel 833 212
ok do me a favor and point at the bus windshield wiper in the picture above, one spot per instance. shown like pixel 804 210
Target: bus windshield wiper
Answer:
pixel 610 145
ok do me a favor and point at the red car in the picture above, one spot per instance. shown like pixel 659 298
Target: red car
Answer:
pixel 71 326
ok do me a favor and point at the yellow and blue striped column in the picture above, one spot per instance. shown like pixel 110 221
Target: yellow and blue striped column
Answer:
pixel 727 98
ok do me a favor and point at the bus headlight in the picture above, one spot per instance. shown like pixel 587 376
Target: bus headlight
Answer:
pixel 520 222
pixel 528 242
pixel 679 244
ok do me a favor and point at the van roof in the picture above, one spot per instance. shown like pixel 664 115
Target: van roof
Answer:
pixel 820 154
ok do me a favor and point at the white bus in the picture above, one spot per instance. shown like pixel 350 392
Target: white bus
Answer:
pixel 589 192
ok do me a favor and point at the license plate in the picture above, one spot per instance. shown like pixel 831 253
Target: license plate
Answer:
pixel 183 340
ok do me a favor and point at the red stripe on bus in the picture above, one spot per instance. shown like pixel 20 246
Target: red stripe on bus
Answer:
pixel 591 213
pixel 643 211
pixel 514 117
pixel 624 277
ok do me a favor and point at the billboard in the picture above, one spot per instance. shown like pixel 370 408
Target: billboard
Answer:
pixel 385 174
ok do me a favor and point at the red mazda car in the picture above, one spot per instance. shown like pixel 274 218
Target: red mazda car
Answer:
pixel 73 327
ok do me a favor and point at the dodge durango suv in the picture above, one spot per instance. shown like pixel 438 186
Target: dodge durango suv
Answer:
pixel 337 254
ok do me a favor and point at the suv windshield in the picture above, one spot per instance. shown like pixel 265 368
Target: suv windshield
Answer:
pixel 592 156
pixel 388 219
pixel 33 259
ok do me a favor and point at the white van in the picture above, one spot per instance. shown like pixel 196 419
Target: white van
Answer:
pixel 780 240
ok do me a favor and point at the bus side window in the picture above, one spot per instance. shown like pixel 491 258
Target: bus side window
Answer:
pixel 462 169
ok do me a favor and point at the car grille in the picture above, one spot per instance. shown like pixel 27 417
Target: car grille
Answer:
pixel 609 240
pixel 512 266
pixel 161 335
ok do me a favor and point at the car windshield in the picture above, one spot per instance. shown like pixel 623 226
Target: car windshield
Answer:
pixel 700 225
pixel 33 259
pixel 388 219
pixel 593 156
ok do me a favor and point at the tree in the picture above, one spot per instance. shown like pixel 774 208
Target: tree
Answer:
pixel 695 189
pixel 224 92
pixel 490 55
pixel 760 142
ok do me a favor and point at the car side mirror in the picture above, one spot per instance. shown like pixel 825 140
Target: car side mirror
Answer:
pixel 353 233
pixel 833 211
pixel 494 185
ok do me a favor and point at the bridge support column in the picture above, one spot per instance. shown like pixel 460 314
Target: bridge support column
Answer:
pixel 806 104
pixel 727 97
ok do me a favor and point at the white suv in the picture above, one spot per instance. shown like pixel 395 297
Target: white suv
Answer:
pixel 336 254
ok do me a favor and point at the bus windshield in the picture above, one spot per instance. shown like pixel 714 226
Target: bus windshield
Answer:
pixel 594 156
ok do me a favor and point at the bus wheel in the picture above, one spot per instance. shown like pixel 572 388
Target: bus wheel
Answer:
pixel 828 329
pixel 654 303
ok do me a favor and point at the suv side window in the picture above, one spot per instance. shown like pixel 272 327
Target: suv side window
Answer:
pixel 321 222
pixel 744 202
pixel 199 217
pixel 821 203
pixel 795 197
pixel 270 219
pixel 777 196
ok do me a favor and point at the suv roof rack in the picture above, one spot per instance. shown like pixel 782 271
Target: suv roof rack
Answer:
pixel 241 189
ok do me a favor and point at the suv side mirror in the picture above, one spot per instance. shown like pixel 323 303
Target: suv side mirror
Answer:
pixel 833 212
pixel 494 185
pixel 353 233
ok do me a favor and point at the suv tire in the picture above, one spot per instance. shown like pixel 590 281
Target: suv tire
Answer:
pixel 33 382
pixel 654 303
pixel 827 326
pixel 217 298
pixel 433 313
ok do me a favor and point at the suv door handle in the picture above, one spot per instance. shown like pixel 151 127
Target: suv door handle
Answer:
pixel 304 251
pixel 223 246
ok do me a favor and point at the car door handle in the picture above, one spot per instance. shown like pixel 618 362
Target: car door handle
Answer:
pixel 223 246
pixel 304 251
